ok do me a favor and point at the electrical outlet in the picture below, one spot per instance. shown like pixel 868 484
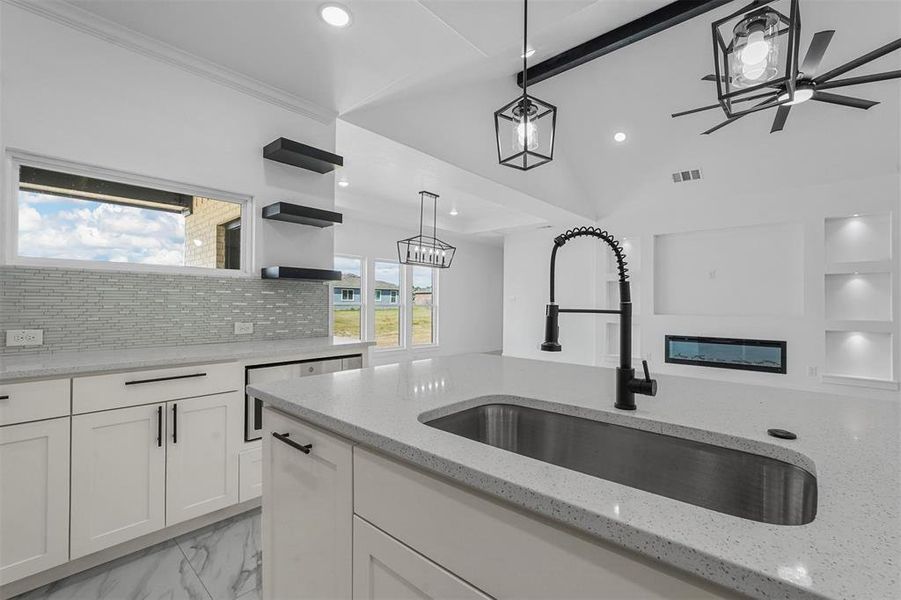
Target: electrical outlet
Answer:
pixel 243 328
pixel 812 371
pixel 24 337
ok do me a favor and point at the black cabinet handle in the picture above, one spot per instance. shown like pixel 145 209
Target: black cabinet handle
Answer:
pixel 158 379
pixel 175 423
pixel 284 438
pixel 4 397
pixel 159 426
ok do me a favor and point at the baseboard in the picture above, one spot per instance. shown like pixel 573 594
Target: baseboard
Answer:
pixel 26 584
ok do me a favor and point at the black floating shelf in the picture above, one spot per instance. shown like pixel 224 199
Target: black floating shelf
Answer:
pixel 302 215
pixel 300 273
pixel 300 155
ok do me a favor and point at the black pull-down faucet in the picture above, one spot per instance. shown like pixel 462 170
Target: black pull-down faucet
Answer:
pixel 626 383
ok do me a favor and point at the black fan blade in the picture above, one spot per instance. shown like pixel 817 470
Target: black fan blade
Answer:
pixel 870 56
pixel 695 110
pixel 781 116
pixel 843 100
pixel 712 77
pixel 712 106
pixel 858 80
pixel 723 124
pixel 815 53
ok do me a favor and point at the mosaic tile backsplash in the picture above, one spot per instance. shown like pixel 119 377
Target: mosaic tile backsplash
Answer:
pixel 81 309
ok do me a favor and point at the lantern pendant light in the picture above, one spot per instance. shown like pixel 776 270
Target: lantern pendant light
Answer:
pixel 424 250
pixel 755 51
pixel 525 127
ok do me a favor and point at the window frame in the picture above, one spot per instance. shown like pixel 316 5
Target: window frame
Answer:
pixel 9 251
pixel 435 293
pixel 364 317
pixel 401 306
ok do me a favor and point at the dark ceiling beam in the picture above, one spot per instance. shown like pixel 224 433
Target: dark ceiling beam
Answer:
pixel 661 19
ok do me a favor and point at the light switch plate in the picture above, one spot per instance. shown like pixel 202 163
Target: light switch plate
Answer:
pixel 24 337
pixel 243 328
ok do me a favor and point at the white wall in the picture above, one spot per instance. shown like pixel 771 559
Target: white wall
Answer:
pixel 72 96
pixel 470 292
pixel 791 311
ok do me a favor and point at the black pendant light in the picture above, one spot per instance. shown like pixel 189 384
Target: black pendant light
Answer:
pixel 525 127
pixel 425 250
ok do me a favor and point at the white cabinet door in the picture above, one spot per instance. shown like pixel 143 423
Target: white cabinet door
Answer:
pixel 385 569
pixel 204 437
pixel 250 474
pixel 118 476
pixel 307 511
pixel 34 497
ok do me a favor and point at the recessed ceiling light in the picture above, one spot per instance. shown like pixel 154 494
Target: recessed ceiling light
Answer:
pixel 619 136
pixel 529 53
pixel 343 183
pixel 856 215
pixel 336 15
pixel 454 212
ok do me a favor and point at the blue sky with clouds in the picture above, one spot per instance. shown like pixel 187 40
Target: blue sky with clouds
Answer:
pixel 57 227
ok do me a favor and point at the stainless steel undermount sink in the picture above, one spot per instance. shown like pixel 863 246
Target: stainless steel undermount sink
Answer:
pixel 730 481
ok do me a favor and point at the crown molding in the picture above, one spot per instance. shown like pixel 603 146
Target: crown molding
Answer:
pixel 124 37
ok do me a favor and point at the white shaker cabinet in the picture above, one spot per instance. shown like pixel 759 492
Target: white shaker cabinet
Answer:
pixel 203 440
pixel 307 511
pixel 118 476
pixel 385 569
pixel 34 497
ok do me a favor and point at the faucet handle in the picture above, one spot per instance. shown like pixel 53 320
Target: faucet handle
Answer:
pixel 646 386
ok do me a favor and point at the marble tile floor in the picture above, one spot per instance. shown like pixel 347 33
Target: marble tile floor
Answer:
pixel 219 562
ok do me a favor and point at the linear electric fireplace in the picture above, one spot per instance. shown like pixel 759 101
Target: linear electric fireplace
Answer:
pixel 768 356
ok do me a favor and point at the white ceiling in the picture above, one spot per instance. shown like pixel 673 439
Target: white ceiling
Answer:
pixel 429 75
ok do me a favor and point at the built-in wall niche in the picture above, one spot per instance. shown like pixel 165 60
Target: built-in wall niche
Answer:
pixel 858 239
pixel 859 297
pixel 859 321
pixel 859 354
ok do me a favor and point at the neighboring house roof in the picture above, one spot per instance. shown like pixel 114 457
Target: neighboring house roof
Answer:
pixel 349 280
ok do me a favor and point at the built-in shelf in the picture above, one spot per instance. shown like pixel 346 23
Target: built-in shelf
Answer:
pixel 302 215
pixel 300 273
pixel 861 266
pixel 300 155
pixel 859 321
pixel 880 384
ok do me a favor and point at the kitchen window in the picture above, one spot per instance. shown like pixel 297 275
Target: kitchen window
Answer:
pixel 347 299
pixel 388 310
pixel 424 309
pixel 73 216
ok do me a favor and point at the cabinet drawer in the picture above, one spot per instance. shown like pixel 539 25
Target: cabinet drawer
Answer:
pixel 119 390
pixel 503 551
pixel 33 401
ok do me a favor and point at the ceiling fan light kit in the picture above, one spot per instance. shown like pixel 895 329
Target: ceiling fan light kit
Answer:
pixel 524 128
pixel 756 49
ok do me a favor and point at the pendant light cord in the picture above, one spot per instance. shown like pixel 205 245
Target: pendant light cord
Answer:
pixel 525 51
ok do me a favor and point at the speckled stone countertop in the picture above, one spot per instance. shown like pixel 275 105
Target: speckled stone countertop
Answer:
pixel 67 364
pixel 851 550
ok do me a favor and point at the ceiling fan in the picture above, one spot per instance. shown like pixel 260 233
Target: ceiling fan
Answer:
pixel 810 86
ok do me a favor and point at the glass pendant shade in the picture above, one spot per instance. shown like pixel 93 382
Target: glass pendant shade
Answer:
pixel 756 51
pixel 525 127
pixel 426 250
pixel 525 133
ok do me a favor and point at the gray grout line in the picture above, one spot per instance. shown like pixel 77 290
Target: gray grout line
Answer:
pixel 199 578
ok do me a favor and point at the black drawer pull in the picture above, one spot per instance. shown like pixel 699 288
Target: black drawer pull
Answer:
pixel 159 426
pixel 4 397
pixel 284 438
pixel 158 379
pixel 175 423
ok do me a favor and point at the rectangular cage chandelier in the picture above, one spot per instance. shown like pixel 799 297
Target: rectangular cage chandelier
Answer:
pixel 426 250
